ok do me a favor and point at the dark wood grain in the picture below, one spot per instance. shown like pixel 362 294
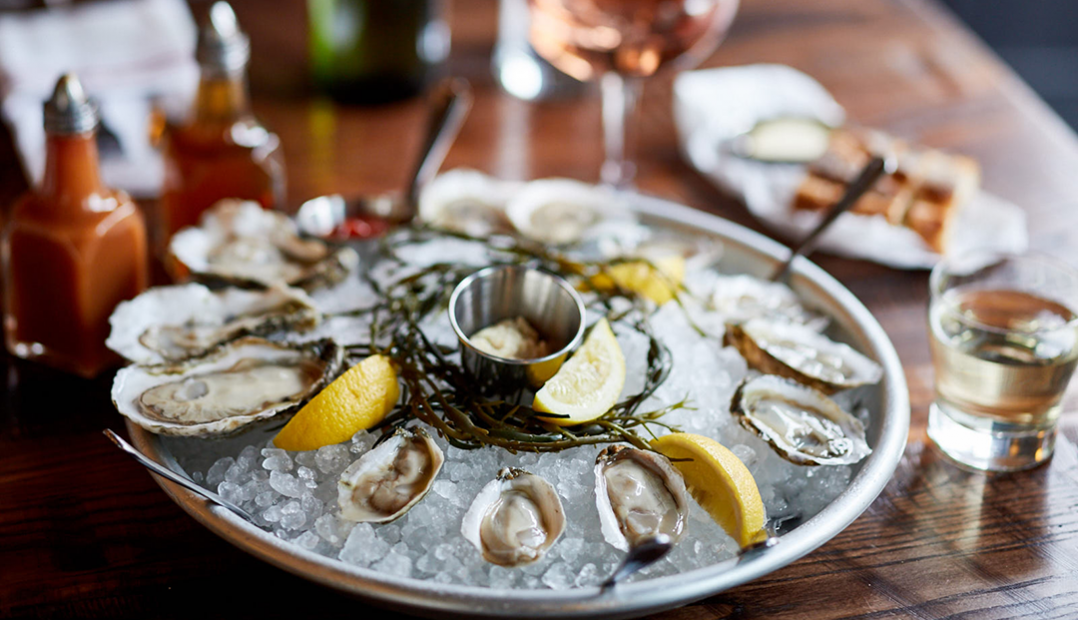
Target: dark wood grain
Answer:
pixel 86 532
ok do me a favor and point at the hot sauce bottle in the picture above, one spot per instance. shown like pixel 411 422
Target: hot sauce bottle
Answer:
pixel 72 249
pixel 221 150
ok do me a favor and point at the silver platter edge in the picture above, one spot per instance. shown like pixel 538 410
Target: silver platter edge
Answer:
pixel 747 252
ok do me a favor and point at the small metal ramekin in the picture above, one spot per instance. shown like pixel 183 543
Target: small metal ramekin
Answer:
pixel 494 294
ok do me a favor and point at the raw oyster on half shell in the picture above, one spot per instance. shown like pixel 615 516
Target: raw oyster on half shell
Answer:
pixel 799 353
pixel 467 201
pixel 247 380
pixel 639 495
pixel 169 324
pixel 561 211
pixel 514 519
pixel 241 243
pixel 742 298
pixel 389 479
pixel 801 424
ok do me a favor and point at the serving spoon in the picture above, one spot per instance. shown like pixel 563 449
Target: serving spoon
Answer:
pixel 448 106
pixel 643 554
pixel 168 474
pixel 655 548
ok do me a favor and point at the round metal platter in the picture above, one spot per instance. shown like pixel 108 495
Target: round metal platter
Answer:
pixel 744 252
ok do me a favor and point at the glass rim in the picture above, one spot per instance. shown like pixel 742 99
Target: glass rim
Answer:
pixel 988 258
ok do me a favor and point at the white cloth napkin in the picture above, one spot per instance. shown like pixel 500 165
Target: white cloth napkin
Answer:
pixel 713 105
pixel 129 56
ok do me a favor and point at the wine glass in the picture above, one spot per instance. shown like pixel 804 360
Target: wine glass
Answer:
pixel 621 42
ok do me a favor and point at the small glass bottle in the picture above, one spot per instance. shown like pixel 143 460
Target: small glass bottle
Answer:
pixel 376 51
pixel 221 150
pixel 72 249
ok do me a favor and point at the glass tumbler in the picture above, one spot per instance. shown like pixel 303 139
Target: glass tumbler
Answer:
pixel 1004 339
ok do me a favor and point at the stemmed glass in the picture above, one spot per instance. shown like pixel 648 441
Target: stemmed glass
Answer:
pixel 621 42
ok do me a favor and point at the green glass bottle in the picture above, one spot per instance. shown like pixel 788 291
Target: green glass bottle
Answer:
pixel 375 51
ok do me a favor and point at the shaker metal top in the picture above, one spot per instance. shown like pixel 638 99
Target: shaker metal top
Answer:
pixel 69 110
pixel 222 47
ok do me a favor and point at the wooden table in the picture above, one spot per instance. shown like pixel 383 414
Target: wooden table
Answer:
pixel 84 531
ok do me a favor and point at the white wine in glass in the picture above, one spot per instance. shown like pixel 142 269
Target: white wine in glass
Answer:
pixel 620 42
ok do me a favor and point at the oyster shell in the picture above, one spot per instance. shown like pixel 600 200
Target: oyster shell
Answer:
pixel 169 324
pixel 467 201
pixel 561 211
pixel 247 380
pixel 514 519
pixel 639 494
pixel 742 298
pixel 802 425
pixel 241 243
pixel 796 352
pixel 389 479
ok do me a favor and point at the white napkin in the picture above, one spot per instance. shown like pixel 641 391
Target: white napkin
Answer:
pixel 128 54
pixel 713 105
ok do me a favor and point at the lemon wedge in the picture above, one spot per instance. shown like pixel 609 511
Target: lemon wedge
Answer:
pixel 719 482
pixel 538 373
pixel 657 281
pixel 357 400
pixel 589 383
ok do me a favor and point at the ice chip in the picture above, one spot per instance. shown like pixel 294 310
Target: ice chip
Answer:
pixel 229 491
pixel 308 540
pixel 293 521
pixel 395 564
pixel 216 474
pixel 588 576
pixel 501 577
pixel 332 459
pixel 272 514
pixel 286 484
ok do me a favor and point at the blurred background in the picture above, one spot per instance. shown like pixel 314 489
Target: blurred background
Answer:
pixel 1037 38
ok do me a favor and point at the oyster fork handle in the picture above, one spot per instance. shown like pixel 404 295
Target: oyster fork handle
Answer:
pixel 642 554
pixel 450 104
pixel 872 171
pixel 183 481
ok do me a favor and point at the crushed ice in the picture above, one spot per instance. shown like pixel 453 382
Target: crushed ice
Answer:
pixel 295 494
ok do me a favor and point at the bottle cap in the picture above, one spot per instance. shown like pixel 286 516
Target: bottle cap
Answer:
pixel 222 47
pixel 70 111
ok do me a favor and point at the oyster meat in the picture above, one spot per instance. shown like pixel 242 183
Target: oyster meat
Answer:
pixel 239 383
pixel 170 324
pixel 742 298
pixel 241 243
pixel 467 201
pixel 515 518
pixel 802 425
pixel 389 479
pixel 561 211
pixel 639 495
pixel 799 353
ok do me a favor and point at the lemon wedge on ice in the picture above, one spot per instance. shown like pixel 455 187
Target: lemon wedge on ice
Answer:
pixel 357 400
pixel 657 281
pixel 588 384
pixel 719 482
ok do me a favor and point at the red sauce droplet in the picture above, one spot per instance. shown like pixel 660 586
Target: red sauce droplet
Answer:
pixel 361 227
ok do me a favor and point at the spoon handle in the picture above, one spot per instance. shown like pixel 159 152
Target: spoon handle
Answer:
pixel 448 107
pixel 183 481
pixel 642 554
pixel 864 181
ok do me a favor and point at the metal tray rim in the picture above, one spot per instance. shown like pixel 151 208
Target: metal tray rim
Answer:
pixel 627 600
